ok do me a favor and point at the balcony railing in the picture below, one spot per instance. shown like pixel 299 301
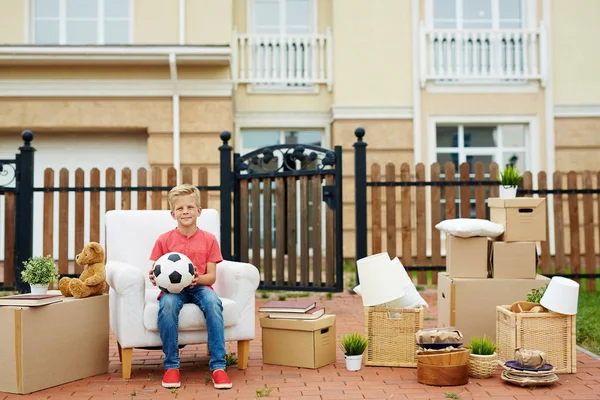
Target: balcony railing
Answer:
pixel 283 61
pixel 482 55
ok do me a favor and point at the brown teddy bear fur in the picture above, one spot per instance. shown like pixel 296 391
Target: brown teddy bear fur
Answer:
pixel 92 280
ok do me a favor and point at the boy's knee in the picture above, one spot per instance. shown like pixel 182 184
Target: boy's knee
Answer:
pixel 169 302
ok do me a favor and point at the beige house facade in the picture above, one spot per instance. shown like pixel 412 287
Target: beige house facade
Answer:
pixel 143 83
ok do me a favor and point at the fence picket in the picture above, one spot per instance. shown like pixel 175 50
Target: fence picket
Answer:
pixel 465 191
pixel 79 210
pixel 527 182
pixel 436 217
pixel 203 181
pixel 244 221
pixel 292 230
pixel 406 210
pixel 111 182
pixel 63 223
pixel 315 214
pixel 376 244
pixel 304 222
pixel 559 226
pixel 9 240
pixel 545 261
pixel 156 196
pixel 450 191
pixel 480 206
pixel 390 210
pixel 279 231
pixel 421 223
pixel 186 175
pixel 588 231
pixel 142 196
pixel 126 194
pixel 94 207
pixel 573 199
pixel 255 219
pixel 48 228
pixel 267 266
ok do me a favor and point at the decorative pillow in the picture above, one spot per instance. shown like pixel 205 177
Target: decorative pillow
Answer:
pixel 470 227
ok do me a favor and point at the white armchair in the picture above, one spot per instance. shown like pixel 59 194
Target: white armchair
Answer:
pixel 130 236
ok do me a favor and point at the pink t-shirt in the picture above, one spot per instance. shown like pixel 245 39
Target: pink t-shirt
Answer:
pixel 201 248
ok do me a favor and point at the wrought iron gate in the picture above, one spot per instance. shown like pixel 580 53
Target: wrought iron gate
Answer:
pixel 287 214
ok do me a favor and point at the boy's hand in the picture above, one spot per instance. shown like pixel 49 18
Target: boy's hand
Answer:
pixel 151 276
pixel 195 280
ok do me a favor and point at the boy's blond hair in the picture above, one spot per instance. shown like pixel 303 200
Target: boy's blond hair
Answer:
pixel 183 190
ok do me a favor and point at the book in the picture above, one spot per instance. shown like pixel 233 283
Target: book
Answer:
pixel 313 313
pixel 291 306
pixel 30 300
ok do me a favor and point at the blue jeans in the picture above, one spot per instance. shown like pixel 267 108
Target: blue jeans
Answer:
pixel 170 304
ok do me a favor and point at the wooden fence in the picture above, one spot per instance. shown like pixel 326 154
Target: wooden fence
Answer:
pixel 148 194
pixel 403 229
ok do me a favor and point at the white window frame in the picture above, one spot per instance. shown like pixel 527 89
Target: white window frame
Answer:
pixel 250 17
pixel 29 12
pixel 532 142
pixel 528 11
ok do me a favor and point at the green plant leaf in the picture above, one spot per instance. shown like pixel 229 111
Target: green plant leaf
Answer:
pixel 483 346
pixel 39 270
pixel 510 176
pixel 353 344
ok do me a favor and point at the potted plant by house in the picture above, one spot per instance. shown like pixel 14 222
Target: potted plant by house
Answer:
pixel 483 359
pixel 353 345
pixel 39 272
pixel 510 178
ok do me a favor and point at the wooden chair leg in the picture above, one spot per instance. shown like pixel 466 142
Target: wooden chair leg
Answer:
pixel 126 355
pixel 243 353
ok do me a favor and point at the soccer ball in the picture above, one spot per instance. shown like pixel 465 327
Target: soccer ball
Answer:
pixel 173 272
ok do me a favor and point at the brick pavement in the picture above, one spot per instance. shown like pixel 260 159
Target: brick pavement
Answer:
pixel 330 382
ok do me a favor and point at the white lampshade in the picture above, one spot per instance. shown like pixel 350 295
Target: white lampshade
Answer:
pixel 380 280
pixel 561 296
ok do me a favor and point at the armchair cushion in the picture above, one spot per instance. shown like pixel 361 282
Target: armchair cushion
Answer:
pixel 190 318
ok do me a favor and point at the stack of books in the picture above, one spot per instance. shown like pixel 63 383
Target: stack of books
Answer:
pixel 293 309
pixel 30 300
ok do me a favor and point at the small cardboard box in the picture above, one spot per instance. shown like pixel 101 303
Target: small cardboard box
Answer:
pixel 524 218
pixel 299 343
pixel 470 304
pixel 517 260
pixel 467 257
pixel 49 345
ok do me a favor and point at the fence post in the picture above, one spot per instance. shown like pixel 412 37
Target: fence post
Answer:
pixel 360 199
pixel 226 184
pixel 24 209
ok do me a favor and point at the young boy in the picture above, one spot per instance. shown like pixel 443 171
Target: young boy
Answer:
pixel 203 250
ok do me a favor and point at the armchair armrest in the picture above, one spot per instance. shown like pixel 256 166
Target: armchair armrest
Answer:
pixel 124 278
pixel 238 281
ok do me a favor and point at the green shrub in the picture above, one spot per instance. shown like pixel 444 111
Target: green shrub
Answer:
pixel 353 344
pixel 39 271
pixel 483 346
pixel 510 176
pixel 535 295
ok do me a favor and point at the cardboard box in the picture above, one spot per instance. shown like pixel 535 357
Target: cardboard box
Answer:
pixel 467 257
pixel 514 260
pixel 470 304
pixel 299 343
pixel 524 218
pixel 49 345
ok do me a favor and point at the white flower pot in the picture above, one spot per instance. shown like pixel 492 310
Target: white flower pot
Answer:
pixel 39 289
pixel 353 363
pixel 508 192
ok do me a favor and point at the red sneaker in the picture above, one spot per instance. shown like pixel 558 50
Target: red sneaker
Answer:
pixel 171 378
pixel 220 379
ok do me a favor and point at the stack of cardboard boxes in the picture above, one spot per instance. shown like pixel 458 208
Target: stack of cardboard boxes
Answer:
pixel 482 273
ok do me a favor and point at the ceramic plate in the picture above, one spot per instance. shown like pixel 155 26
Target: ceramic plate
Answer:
pixel 513 364
pixel 436 346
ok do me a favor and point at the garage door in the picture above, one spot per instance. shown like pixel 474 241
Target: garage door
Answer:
pixel 75 150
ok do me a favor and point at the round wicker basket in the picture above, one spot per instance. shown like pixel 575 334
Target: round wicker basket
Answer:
pixel 482 366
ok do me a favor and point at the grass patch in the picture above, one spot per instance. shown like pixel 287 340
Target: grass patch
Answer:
pixel 588 321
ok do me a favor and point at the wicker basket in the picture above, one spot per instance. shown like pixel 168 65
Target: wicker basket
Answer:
pixel 549 332
pixel 482 366
pixel 392 336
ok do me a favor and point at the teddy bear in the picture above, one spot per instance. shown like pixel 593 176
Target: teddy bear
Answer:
pixel 92 280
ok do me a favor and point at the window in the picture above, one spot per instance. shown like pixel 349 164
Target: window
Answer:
pixel 81 22
pixel 502 144
pixel 283 16
pixel 478 14
pixel 257 139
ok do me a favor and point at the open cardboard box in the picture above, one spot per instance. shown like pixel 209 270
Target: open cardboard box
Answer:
pixel 49 345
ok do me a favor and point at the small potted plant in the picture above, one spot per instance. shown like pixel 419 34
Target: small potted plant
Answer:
pixel 510 178
pixel 353 345
pixel 483 359
pixel 39 272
